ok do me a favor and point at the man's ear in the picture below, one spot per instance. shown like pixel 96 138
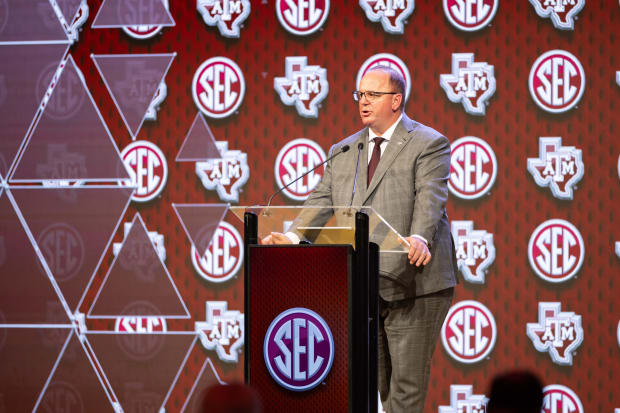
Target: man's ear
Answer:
pixel 396 102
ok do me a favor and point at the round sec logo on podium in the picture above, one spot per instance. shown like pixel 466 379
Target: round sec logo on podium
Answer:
pixel 298 349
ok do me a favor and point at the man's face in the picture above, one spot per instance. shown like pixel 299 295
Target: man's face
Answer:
pixel 381 113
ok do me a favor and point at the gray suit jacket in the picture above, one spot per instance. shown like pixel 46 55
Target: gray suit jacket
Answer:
pixel 409 190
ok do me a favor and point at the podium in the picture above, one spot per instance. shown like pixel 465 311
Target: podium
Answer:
pixel 311 309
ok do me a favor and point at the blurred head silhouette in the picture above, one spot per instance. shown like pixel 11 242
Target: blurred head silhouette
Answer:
pixel 516 391
pixel 231 398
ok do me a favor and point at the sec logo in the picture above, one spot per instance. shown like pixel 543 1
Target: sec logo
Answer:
pixel 63 249
pixel 145 31
pixel 385 59
pixel 469 332
pixel 147 169
pixel 302 17
pixel 298 349
pixel 65 85
pixel 218 87
pixel 556 250
pixel 62 396
pixel 295 159
pixel 473 168
pixel 223 257
pixel 560 399
pixel 470 15
pixel 141 337
pixel 557 81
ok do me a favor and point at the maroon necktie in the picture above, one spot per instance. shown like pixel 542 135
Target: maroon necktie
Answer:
pixel 374 159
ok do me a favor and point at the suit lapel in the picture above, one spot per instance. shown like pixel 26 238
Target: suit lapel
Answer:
pixel 362 173
pixel 397 143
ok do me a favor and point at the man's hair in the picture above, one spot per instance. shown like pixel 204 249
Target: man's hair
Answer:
pixel 396 81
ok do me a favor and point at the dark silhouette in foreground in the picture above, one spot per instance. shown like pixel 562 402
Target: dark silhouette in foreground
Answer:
pixel 516 391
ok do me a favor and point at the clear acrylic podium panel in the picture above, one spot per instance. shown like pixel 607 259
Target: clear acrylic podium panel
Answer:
pixel 324 225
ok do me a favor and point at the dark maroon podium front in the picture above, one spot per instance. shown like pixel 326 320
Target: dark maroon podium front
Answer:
pixel 310 323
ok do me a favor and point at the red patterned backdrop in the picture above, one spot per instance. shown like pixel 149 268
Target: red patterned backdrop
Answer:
pixel 584 356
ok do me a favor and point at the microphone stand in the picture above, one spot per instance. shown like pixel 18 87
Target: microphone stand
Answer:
pixel 342 150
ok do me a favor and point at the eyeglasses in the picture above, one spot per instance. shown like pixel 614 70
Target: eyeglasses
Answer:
pixel 370 95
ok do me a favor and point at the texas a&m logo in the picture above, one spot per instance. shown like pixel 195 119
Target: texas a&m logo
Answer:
pixel 222 259
pixel 392 13
pixel 298 349
pixel 462 400
pixel 470 15
pixel 227 174
pixel 562 12
pixel 475 251
pixel 560 399
pixel 138 251
pixel 557 332
pixel 557 81
pixel 302 85
pixel 556 250
pixel 222 331
pixel 228 15
pixel 295 159
pixel 302 17
pixel 385 59
pixel 471 83
pixel 473 168
pixel 469 332
pixel 558 167
pixel 146 31
pixel 147 169
pixel 218 87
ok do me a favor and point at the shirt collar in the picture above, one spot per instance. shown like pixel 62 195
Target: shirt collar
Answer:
pixel 388 133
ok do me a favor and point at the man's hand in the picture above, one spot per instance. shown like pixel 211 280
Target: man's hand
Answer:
pixel 418 251
pixel 276 238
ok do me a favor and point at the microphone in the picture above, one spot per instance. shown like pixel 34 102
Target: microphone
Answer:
pixel 360 146
pixel 342 150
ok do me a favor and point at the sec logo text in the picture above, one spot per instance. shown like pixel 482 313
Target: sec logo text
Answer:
pixel 556 250
pixel 557 81
pixel 470 15
pixel 147 169
pixel 469 332
pixel 294 159
pixel 218 87
pixel 473 168
pixel 222 259
pixel 560 399
pixel 298 349
pixel 302 17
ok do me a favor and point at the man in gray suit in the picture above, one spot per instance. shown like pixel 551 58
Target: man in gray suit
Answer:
pixel 405 183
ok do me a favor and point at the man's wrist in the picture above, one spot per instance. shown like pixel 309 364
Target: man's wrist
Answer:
pixel 420 237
